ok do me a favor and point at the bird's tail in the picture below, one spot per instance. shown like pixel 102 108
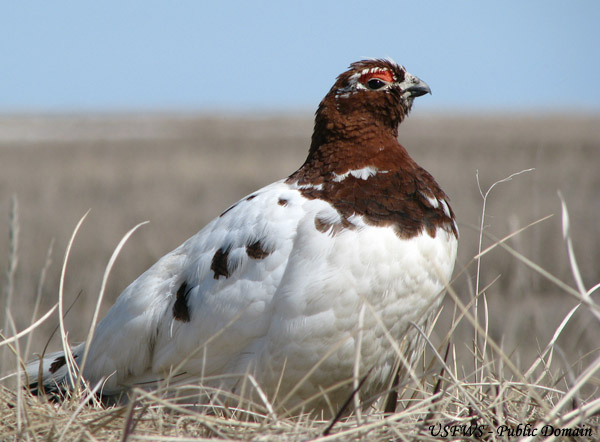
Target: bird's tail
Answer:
pixel 53 374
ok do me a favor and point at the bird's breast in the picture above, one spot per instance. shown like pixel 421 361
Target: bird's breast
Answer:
pixel 354 290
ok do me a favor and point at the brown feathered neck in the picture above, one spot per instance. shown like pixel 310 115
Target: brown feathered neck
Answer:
pixel 356 127
pixel 355 119
pixel 357 165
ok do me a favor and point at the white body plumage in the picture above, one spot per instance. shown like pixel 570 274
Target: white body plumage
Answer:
pixel 278 316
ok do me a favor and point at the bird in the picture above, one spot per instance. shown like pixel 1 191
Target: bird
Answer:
pixel 303 294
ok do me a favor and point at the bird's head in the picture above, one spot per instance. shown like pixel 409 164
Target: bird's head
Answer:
pixel 374 93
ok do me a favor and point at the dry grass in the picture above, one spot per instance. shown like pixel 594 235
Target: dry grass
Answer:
pixel 517 342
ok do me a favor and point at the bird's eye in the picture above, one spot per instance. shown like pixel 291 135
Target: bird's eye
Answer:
pixel 375 83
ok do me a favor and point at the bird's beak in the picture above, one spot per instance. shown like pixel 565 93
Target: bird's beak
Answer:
pixel 413 87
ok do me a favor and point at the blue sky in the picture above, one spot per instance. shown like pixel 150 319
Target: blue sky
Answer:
pixel 185 55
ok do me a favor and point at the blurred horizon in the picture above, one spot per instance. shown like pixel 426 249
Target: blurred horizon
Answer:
pixel 269 57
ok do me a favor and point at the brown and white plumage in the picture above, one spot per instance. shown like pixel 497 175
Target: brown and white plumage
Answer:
pixel 323 269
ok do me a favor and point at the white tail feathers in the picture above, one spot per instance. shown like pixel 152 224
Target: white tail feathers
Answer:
pixel 49 374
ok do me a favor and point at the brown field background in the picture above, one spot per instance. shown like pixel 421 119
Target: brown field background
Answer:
pixel 180 171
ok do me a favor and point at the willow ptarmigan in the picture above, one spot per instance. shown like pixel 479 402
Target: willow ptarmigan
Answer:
pixel 301 287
